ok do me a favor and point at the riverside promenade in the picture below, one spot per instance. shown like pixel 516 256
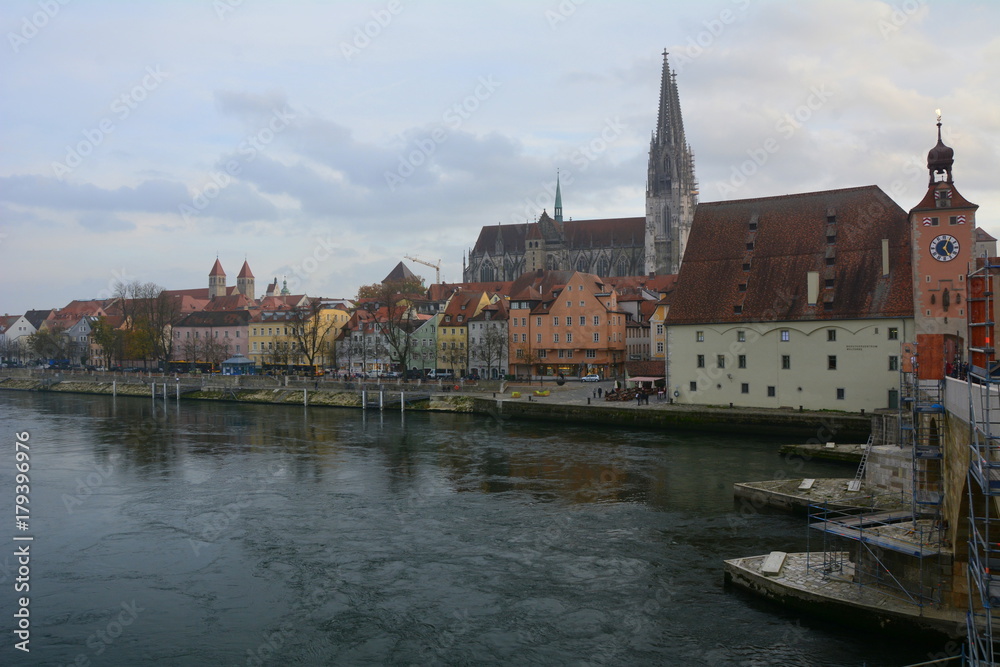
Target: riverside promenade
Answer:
pixel 574 401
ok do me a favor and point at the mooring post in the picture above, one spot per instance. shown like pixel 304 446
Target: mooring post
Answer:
pixel 402 401
pixel 114 387
pixel 305 396
pixel 364 399
pixel 178 385
pixel 152 385
pixel 381 399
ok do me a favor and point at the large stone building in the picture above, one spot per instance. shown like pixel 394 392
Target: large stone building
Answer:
pixel 609 247
pixel 798 300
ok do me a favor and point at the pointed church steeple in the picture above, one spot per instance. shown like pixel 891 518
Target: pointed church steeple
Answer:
pixel 558 206
pixel 671 189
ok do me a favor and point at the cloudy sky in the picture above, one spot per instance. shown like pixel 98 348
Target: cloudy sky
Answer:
pixel 323 141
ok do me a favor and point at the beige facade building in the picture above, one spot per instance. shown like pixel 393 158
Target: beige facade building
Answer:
pixel 794 301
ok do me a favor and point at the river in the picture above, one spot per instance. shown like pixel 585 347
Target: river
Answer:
pixel 226 534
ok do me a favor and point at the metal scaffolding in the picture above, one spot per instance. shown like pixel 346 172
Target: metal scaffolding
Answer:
pixel 983 479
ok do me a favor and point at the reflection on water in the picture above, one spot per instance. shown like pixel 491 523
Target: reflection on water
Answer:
pixel 237 534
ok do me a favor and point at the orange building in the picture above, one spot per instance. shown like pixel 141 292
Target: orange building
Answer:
pixel 565 322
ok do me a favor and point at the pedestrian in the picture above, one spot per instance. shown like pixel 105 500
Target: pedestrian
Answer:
pixel 599 392
pixel 638 398
pixel 595 393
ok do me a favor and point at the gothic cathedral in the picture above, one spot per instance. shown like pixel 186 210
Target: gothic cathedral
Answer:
pixel 614 247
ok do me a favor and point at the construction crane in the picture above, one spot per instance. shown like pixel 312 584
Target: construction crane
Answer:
pixel 436 267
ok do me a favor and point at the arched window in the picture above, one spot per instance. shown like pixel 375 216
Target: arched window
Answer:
pixel 622 267
pixel 582 265
pixel 603 267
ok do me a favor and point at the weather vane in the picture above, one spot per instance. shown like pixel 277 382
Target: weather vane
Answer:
pixel 938 112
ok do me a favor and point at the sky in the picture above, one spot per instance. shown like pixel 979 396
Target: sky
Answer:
pixel 324 141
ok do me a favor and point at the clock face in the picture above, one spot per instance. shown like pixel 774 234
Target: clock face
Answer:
pixel 944 248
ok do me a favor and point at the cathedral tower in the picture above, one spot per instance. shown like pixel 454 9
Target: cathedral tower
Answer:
pixel 216 281
pixel 671 189
pixel 245 282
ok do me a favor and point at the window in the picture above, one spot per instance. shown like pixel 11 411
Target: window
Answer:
pixel 741 361
pixel 831 362
pixel 583 320
pixel 893 363
pixel 831 238
pixel 830 261
pixel 953 220
pixel 659 347
pixel 597 337
pixel 934 222
pixel 569 338
pixel 538 321
pixel 831 335
pixel 513 338
pixel 745 388
pixel 555 321
pixel 524 321
pixel 659 329
pixel 237 334
pixel 750 246
pixel 581 304
pixel 591 354
pixel 699 336
pixel 742 287
pixel 746 266
pixel 840 394
pixel 562 354
pixel 569 304
pixel 701 361
pixel 737 309
pixel 720 360
pixel 786 362
pixel 569 354
pixel 555 338
pixel 828 283
pixel 893 333
pixel 543 354
pixel 784 335
pixel 461 317
pixel 771 392
pixel 597 320
pixel 524 338
pixel 255 346
pixel 520 353
pixel 538 338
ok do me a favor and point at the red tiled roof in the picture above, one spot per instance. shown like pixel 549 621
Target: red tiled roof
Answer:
pixel 791 240
pixel 982 236
pixel 244 271
pixel 217 269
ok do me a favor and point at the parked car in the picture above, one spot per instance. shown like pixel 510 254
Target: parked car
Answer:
pixel 440 375
pixel 593 377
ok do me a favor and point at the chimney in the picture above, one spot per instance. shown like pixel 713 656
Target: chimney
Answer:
pixel 812 287
pixel 885 257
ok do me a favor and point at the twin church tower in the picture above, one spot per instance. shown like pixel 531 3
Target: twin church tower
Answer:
pixel 653 244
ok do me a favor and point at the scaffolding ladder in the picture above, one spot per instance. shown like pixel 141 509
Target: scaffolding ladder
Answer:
pixel 983 478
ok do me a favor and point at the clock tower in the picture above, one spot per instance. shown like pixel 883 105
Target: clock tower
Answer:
pixel 943 232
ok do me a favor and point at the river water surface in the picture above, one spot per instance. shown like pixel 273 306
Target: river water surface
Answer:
pixel 224 534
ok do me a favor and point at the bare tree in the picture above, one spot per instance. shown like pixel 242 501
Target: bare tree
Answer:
pixel 149 313
pixel 309 332
pixel 390 304
pixel 490 348
pixel 50 343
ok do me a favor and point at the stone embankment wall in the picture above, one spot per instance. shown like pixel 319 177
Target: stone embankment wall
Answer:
pixel 814 427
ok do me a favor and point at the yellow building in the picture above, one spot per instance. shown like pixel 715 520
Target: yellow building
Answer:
pixel 453 329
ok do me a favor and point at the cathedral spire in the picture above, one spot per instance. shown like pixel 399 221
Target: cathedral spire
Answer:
pixel 671 189
pixel 558 207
